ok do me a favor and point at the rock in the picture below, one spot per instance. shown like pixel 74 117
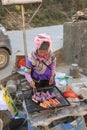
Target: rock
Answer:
pixel 5 117
pixel 80 16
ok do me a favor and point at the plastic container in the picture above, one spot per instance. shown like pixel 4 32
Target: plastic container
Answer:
pixel 74 70
pixel 11 86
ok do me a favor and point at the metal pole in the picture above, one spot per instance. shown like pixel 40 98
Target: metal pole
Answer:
pixel 24 32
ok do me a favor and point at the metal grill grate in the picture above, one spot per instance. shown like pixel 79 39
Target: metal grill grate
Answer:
pixel 35 107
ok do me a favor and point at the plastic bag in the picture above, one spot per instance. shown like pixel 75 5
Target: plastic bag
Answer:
pixel 7 102
pixel 77 124
pixel 61 80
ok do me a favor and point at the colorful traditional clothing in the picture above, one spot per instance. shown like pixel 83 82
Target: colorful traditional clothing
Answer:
pixel 41 68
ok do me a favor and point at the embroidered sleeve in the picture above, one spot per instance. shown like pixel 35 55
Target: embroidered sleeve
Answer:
pixel 53 67
pixel 28 77
pixel 29 67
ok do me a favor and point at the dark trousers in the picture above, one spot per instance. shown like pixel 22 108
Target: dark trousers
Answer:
pixel 42 83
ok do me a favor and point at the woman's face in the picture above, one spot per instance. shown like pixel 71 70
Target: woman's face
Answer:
pixel 42 53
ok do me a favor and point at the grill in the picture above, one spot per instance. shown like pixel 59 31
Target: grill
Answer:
pixel 35 107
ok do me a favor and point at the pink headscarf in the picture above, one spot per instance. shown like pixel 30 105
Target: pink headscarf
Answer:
pixel 40 38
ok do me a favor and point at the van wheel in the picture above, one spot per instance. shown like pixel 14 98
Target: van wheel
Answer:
pixel 4 58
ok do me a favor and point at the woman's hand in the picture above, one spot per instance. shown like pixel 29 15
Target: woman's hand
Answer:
pixel 51 80
pixel 32 84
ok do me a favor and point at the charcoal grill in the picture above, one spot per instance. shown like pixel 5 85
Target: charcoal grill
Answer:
pixel 35 107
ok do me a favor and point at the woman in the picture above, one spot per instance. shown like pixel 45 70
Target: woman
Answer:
pixel 42 63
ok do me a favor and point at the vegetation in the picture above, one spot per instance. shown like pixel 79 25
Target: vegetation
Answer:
pixel 52 12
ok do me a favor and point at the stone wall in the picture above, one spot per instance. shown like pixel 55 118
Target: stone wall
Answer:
pixel 75 43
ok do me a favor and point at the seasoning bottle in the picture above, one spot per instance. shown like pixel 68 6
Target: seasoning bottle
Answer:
pixel 74 70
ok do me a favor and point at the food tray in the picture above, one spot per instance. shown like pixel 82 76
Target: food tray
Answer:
pixel 35 107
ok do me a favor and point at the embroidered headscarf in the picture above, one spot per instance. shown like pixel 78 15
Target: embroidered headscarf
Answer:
pixel 42 41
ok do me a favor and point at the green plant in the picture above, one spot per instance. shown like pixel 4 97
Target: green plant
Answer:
pixel 2 13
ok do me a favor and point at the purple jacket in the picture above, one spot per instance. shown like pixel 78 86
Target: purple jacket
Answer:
pixel 41 71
